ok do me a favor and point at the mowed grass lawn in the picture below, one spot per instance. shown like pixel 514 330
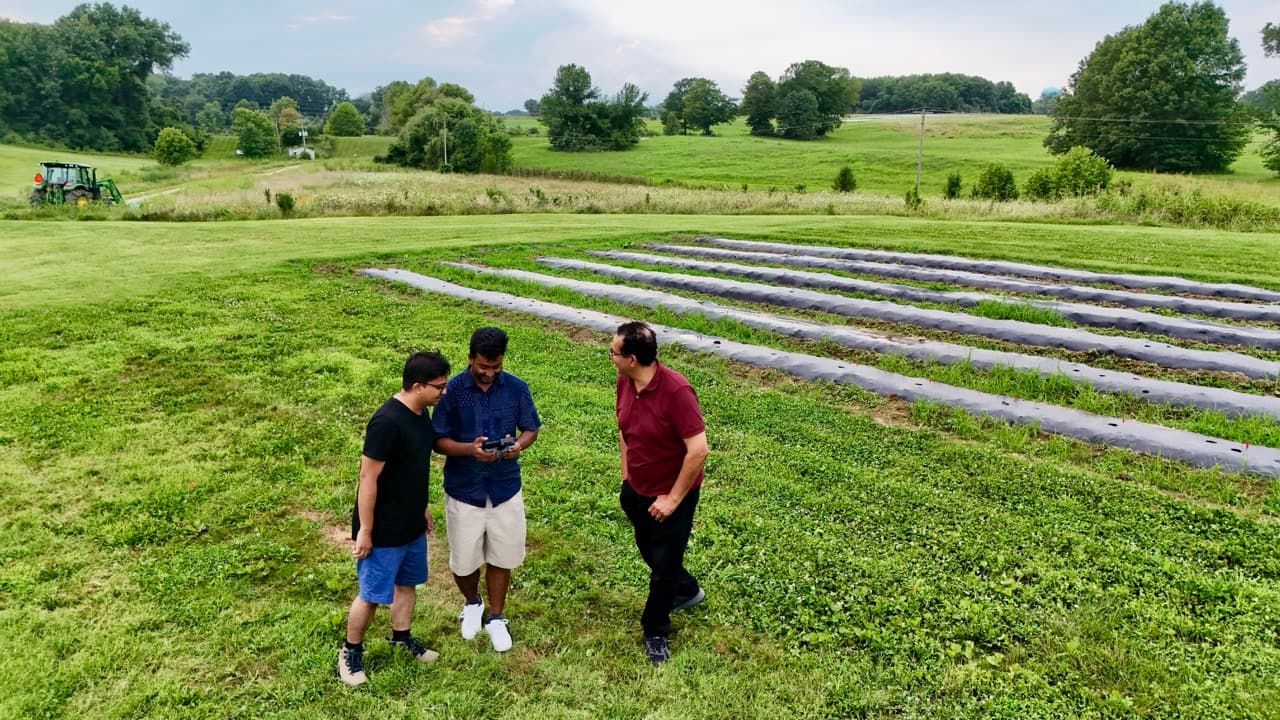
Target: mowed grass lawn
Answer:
pixel 181 410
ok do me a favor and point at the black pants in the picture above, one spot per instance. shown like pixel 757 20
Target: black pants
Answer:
pixel 662 545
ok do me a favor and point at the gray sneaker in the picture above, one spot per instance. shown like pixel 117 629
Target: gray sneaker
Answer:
pixel 351 666
pixel 683 602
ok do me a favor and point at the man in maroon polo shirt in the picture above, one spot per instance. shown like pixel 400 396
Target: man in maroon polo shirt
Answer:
pixel 663 443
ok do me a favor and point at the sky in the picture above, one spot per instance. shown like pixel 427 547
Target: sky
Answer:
pixel 506 51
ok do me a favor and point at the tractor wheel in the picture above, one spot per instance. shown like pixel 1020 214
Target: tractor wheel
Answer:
pixel 78 197
pixel 37 197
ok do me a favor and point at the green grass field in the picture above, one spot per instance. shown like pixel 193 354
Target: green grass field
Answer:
pixel 881 151
pixel 181 408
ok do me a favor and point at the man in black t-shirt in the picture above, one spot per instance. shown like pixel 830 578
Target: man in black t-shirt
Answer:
pixel 390 519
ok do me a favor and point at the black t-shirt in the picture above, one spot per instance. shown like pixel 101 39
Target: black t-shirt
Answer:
pixel 402 439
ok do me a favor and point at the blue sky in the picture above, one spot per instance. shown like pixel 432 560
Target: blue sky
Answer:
pixel 505 51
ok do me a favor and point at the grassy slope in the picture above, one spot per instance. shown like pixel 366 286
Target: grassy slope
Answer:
pixel 882 153
pixel 180 413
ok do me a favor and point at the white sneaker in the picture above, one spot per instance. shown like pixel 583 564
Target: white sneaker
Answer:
pixel 471 617
pixel 499 638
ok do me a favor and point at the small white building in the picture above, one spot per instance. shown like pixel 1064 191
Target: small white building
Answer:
pixel 297 152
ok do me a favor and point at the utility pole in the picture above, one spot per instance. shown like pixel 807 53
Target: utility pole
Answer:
pixel 445 134
pixel 920 151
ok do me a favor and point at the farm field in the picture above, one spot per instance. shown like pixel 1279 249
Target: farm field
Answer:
pixel 181 407
pixel 731 173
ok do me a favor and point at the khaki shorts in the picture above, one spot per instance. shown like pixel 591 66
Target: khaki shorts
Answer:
pixel 491 535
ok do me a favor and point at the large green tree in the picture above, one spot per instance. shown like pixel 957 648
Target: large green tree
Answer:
pixel 697 104
pixel 759 97
pixel 1158 96
pixel 255 131
pixel 82 81
pixel 345 121
pixel 572 123
pixel 832 87
pixel 623 117
pixel 1271 39
pixel 471 139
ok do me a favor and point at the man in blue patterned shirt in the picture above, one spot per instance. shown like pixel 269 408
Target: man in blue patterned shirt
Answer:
pixel 482 424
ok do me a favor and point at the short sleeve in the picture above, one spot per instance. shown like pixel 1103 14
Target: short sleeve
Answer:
pixel 441 416
pixel 379 437
pixel 528 413
pixel 686 415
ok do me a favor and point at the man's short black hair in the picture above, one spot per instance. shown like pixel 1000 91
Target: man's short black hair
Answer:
pixel 488 342
pixel 639 342
pixel 423 367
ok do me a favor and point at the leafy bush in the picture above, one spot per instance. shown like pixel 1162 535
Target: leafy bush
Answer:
pixel 995 182
pixel 1077 173
pixel 913 199
pixel 951 190
pixel 173 147
pixel 845 182
pixel 284 201
pixel 1042 185
pixel 1271 153
pixel 1081 172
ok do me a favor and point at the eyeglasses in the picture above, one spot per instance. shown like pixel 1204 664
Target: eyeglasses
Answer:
pixel 613 354
pixel 439 386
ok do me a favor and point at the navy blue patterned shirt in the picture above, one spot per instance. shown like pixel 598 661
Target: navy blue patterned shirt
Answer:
pixel 466 412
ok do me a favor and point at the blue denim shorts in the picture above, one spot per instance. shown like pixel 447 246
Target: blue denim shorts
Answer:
pixel 385 567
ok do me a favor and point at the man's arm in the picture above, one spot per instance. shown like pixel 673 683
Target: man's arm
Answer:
pixel 622 452
pixel 695 452
pixel 456 448
pixel 366 497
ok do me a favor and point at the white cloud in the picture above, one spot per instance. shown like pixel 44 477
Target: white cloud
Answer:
pixel 455 27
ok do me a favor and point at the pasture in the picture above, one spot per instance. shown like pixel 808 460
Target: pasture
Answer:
pixel 181 408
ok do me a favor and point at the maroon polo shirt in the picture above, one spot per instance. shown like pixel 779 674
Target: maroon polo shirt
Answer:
pixel 654 423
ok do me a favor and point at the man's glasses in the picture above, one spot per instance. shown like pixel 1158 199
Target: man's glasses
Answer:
pixel 438 386
pixel 613 354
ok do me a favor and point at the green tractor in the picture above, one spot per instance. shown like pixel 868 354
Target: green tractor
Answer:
pixel 61 182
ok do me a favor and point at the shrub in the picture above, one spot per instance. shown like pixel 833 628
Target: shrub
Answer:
pixel 173 147
pixel 284 201
pixel 844 182
pixel 995 182
pixel 1042 185
pixel 951 190
pixel 913 199
pixel 1271 153
pixel 1082 172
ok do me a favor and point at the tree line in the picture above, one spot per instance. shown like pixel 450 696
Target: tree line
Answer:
pixel 943 92
pixel 82 81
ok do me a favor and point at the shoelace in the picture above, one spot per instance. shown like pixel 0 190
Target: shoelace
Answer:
pixel 355 660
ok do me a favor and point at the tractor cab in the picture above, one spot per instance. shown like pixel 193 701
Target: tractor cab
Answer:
pixel 65 174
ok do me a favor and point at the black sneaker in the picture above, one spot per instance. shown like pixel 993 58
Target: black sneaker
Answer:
pixel 351 666
pixel 655 646
pixel 682 602
pixel 416 649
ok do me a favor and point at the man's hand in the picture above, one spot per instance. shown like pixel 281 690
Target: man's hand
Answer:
pixel 480 453
pixel 364 543
pixel 662 507
pixel 431 523
pixel 511 452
